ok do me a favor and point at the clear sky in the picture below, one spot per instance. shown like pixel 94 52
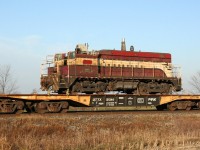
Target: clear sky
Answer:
pixel 32 29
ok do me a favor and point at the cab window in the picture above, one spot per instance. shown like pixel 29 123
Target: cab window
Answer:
pixel 71 55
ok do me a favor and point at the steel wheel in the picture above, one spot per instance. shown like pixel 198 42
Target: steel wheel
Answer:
pixel 64 111
pixel 188 108
pixel 171 107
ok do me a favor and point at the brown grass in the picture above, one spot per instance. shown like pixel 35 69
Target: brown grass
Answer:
pixel 100 131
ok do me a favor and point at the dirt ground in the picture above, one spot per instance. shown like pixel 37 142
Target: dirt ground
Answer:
pixel 121 130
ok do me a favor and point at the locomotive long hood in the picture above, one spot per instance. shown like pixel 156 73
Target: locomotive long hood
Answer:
pixel 136 54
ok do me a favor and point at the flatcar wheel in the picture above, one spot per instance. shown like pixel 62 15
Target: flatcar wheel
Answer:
pixel 40 107
pixel 19 111
pixel 40 111
pixel 171 107
pixel 198 105
pixel 188 108
pixel 8 106
pixel 64 111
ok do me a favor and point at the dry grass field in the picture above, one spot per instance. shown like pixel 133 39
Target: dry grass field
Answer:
pixel 134 130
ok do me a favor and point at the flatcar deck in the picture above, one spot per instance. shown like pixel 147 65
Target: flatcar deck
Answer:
pixel 18 103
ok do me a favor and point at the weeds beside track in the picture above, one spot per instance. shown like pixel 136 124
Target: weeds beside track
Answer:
pixel 101 130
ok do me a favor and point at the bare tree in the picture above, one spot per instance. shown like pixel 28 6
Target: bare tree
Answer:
pixel 195 82
pixel 7 83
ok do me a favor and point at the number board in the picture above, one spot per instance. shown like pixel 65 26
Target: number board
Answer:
pixel 123 100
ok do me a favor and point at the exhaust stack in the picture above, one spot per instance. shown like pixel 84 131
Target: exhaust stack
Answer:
pixel 123 45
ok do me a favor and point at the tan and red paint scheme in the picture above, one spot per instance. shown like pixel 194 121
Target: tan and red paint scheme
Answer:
pixel 83 71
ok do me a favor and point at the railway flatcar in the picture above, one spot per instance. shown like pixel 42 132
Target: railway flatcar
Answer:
pixel 101 71
pixel 61 103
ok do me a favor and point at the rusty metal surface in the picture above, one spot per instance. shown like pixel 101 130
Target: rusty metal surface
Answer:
pixel 41 103
pixel 83 99
pixel 170 98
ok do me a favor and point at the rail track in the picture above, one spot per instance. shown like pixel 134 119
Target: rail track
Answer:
pixel 37 103
pixel 102 114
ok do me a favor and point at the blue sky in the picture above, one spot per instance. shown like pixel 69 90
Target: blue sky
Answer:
pixel 32 29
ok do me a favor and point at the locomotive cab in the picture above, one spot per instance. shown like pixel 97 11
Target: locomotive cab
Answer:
pixel 81 48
